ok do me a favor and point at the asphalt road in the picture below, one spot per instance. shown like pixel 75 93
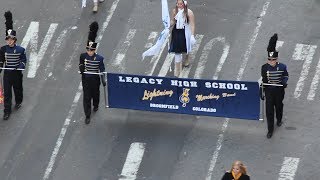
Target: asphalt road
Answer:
pixel 176 146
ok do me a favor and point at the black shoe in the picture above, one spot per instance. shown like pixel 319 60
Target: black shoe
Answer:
pixel 95 109
pixel 87 120
pixel 186 65
pixel 17 106
pixel 269 135
pixel 279 123
pixel 6 116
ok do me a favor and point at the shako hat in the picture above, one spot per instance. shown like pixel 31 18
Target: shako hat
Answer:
pixel 10 33
pixel 93 29
pixel 272 52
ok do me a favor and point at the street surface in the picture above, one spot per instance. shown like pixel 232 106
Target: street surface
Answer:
pixel 47 137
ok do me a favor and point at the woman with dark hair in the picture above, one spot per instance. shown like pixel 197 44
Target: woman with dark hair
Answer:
pixel 182 36
pixel 237 172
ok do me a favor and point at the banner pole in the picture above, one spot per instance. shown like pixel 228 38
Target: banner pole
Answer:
pixel 91 73
pixel 12 69
pixel 1 90
pixel 106 91
pixel 262 106
pixel 262 103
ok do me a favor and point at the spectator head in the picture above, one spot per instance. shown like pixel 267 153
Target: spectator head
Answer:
pixel 238 167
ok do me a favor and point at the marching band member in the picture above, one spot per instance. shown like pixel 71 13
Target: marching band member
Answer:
pixel 91 63
pixel 182 35
pixel 274 77
pixel 12 57
pixel 95 5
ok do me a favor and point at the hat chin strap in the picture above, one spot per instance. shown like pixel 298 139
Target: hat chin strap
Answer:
pixel 11 37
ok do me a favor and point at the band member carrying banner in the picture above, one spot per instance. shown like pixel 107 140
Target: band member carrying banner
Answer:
pixel 91 64
pixel 12 62
pixel 182 35
pixel 274 80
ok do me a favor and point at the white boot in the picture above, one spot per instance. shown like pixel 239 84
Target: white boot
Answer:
pixel 95 7
pixel 177 68
pixel 186 61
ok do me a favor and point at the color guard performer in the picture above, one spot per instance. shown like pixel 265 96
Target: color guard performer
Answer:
pixel 95 5
pixel 274 81
pixel 182 35
pixel 13 60
pixel 91 67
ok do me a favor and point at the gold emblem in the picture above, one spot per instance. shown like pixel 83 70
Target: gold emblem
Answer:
pixel 184 98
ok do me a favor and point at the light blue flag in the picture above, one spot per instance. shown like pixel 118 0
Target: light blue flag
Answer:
pixel 154 50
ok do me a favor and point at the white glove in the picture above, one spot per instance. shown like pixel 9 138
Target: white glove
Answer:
pixel 192 39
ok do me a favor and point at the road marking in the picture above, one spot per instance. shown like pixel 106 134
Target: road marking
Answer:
pixel 106 22
pixel 62 133
pixel 252 41
pixel 155 59
pixel 215 155
pixel 75 102
pixel 74 54
pixel 166 65
pixel 288 168
pixel 32 38
pixel 186 70
pixel 58 47
pixel 297 52
pixel 279 45
pixel 133 160
pixel 204 56
pixel 314 83
pixel 301 52
pixel 124 48
pixel 239 77
pixel 305 70
pixel 222 59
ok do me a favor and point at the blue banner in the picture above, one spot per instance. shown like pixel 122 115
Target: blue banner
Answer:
pixel 233 99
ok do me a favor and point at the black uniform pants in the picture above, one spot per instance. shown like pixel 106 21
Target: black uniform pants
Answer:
pixel 274 98
pixel 12 79
pixel 91 93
